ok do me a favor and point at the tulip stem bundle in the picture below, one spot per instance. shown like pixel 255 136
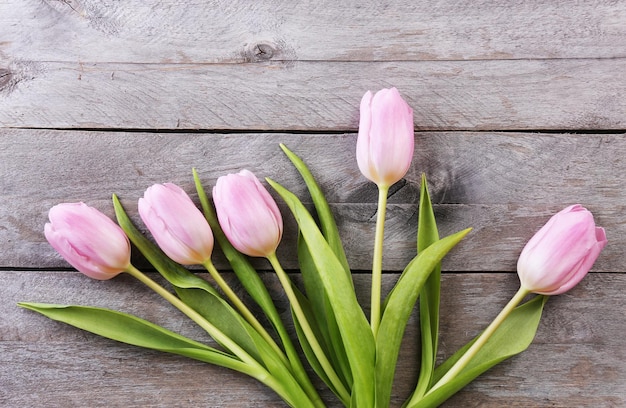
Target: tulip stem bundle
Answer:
pixel 243 309
pixel 354 357
pixel 193 315
pixel 253 368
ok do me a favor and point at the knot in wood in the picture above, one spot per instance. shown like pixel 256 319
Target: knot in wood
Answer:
pixel 261 51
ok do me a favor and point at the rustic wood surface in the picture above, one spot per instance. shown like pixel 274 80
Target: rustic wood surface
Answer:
pixel 520 110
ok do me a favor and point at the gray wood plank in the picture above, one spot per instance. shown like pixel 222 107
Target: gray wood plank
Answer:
pixel 505 185
pixel 313 95
pixel 159 31
pixel 570 363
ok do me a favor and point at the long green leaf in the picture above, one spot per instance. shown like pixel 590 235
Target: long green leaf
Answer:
pixel 429 297
pixel 133 330
pixel 314 288
pixel 355 331
pixel 196 298
pixel 327 222
pixel 322 312
pixel 513 336
pixel 398 308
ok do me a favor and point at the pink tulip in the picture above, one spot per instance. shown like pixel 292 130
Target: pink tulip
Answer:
pixel 176 224
pixel 89 240
pixel 248 214
pixel 384 148
pixel 561 252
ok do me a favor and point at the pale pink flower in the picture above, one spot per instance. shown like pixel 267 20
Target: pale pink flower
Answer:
pixel 176 224
pixel 561 253
pixel 248 214
pixel 384 148
pixel 89 240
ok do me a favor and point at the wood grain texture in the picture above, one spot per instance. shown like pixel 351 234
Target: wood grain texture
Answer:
pixel 572 359
pixel 313 95
pixel 158 31
pixel 520 110
pixel 504 185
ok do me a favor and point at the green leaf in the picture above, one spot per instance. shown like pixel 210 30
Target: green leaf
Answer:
pixel 353 325
pixel 133 330
pixel 322 313
pixel 429 297
pixel 398 307
pixel 326 219
pixel 314 288
pixel 213 310
pixel 512 337
pixel 197 299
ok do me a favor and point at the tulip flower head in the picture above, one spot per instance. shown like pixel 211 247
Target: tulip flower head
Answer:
pixel 89 240
pixel 176 224
pixel 561 253
pixel 248 214
pixel 384 148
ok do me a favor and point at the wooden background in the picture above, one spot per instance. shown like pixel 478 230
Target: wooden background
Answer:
pixel 520 110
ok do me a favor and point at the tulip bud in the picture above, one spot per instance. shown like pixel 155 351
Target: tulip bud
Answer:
pixel 561 253
pixel 176 224
pixel 248 214
pixel 384 148
pixel 89 240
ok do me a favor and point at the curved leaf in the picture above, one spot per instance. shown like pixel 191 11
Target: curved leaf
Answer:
pixel 328 226
pixel 315 292
pixel 429 297
pixel 512 337
pixel 322 313
pixel 398 307
pixel 353 325
pixel 133 330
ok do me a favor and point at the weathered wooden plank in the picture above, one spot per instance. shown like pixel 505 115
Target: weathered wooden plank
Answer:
pixel 570 363
pixel 158 31
pixel 310 95
pixel 505 185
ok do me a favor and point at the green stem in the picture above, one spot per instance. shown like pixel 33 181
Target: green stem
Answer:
pixel 342 392
pixel 481 340
pixel 219 336
pixel 254 368
pixel 297 368
pixel 377 262
pixel 245 312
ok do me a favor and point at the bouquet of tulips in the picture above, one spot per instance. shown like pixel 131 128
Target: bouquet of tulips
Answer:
pixel 354 354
